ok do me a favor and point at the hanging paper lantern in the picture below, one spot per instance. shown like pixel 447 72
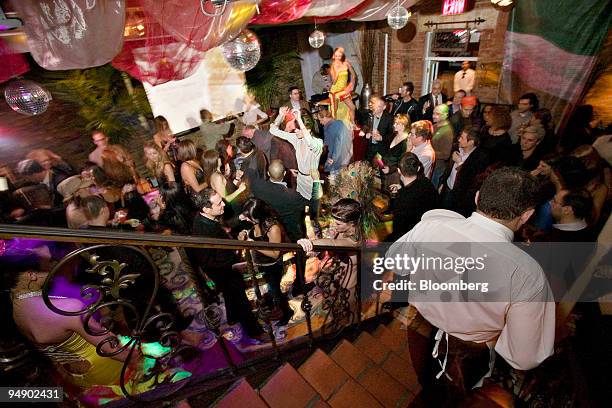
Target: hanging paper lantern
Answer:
pixel 27 97
pixel 243 52
pixel 398 17
pixel 316 39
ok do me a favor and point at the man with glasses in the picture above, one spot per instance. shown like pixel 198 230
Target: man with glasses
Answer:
pixel 464 79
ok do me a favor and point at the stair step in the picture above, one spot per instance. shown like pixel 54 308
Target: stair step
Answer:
pixel 323 374
pixel 353 395
pixel 287 388
pixel 371 347
pixel 393 340
pixel 388 391
pixel 398 324
pixel 402 371
pixel 241 394
pixel 350 359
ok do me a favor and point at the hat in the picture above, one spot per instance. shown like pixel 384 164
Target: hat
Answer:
pixel 28 167
pixel 469 101
pixel 70 186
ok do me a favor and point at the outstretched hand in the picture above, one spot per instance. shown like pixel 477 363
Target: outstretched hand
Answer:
pixel 283 110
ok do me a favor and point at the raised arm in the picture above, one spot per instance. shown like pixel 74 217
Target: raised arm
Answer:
pixel 275 127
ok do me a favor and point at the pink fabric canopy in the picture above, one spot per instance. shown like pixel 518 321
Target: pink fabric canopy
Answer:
pixel 72 34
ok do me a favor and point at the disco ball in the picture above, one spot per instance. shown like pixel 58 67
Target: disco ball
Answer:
pixel 398 17
pixel 27 97
pixel 316 39
pixel 243 52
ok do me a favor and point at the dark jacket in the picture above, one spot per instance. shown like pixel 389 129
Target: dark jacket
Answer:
pixel 428 115
pixel 410 108
pixel 385 128
pixel 210 258
pixel 411 203
pixel 467 182
pixel 289 205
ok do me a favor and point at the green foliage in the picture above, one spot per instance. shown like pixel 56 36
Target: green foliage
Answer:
pixel 272 76
pixel 101 100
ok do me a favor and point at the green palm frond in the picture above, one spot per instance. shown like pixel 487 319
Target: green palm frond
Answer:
pixel 101 100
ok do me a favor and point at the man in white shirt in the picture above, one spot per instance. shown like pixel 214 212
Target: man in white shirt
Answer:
pixel 464 79
pixel 421 133
pixel 515 318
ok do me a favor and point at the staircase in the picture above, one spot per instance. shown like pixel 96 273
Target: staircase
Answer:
pixel 373 371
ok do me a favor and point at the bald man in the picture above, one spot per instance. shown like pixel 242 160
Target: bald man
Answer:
pixel 288 203
pixel 442 141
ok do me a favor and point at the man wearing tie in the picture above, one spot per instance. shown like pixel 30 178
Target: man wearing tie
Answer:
pixel 380 132
pixel 428 102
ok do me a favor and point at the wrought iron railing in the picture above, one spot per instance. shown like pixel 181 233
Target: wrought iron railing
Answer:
pixel 104 293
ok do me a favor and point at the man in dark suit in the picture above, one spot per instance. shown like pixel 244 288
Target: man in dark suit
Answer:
pixel 380 128
pixel 217 263
pixel 288 203
pixel 429 101
pixel 460 181
pixel 250 158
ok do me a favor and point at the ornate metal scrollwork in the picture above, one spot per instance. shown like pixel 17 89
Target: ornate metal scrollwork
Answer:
pixel 338 297
pixel 106 296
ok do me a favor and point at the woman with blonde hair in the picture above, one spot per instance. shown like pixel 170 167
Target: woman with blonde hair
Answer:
pixel 343 77
pixel 399 145
pixel 158 163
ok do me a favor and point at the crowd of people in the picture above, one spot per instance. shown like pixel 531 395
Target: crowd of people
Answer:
pixel 432 152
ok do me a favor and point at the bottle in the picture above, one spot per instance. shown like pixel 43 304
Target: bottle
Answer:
pixel 310 232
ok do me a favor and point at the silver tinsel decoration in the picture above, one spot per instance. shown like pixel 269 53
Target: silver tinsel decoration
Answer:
pixel 316 39
pixel 398 17
pixel 27 97
pixel 243 52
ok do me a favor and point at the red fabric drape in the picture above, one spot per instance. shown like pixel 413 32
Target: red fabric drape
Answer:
pixel 167 39
pixel 12 64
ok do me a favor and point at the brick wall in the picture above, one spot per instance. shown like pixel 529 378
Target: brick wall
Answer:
pixel 407 48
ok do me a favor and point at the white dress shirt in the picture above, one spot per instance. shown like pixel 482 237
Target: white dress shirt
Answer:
pixel 464 80
pixel 520 324
pixel 450 182
pixel 427 155
pixel 308 151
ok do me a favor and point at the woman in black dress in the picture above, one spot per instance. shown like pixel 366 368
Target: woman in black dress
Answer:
pixel 267 227
pixel 397 148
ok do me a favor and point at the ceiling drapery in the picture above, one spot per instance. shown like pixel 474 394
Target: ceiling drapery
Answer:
pixel 281 11
pixel 13 64
pixel 174 36
pixel 72 34
pixel 376 10
pixel 164 39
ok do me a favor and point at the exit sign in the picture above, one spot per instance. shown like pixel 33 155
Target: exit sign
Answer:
pixel 453 7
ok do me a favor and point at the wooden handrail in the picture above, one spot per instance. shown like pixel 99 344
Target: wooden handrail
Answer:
pixel 111 236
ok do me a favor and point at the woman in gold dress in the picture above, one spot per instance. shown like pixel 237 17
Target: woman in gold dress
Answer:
pixel 343 76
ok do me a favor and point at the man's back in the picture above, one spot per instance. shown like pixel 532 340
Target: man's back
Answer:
pixel 516 313
pixel 288 203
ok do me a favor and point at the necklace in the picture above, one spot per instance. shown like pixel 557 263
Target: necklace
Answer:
pixel 27 295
